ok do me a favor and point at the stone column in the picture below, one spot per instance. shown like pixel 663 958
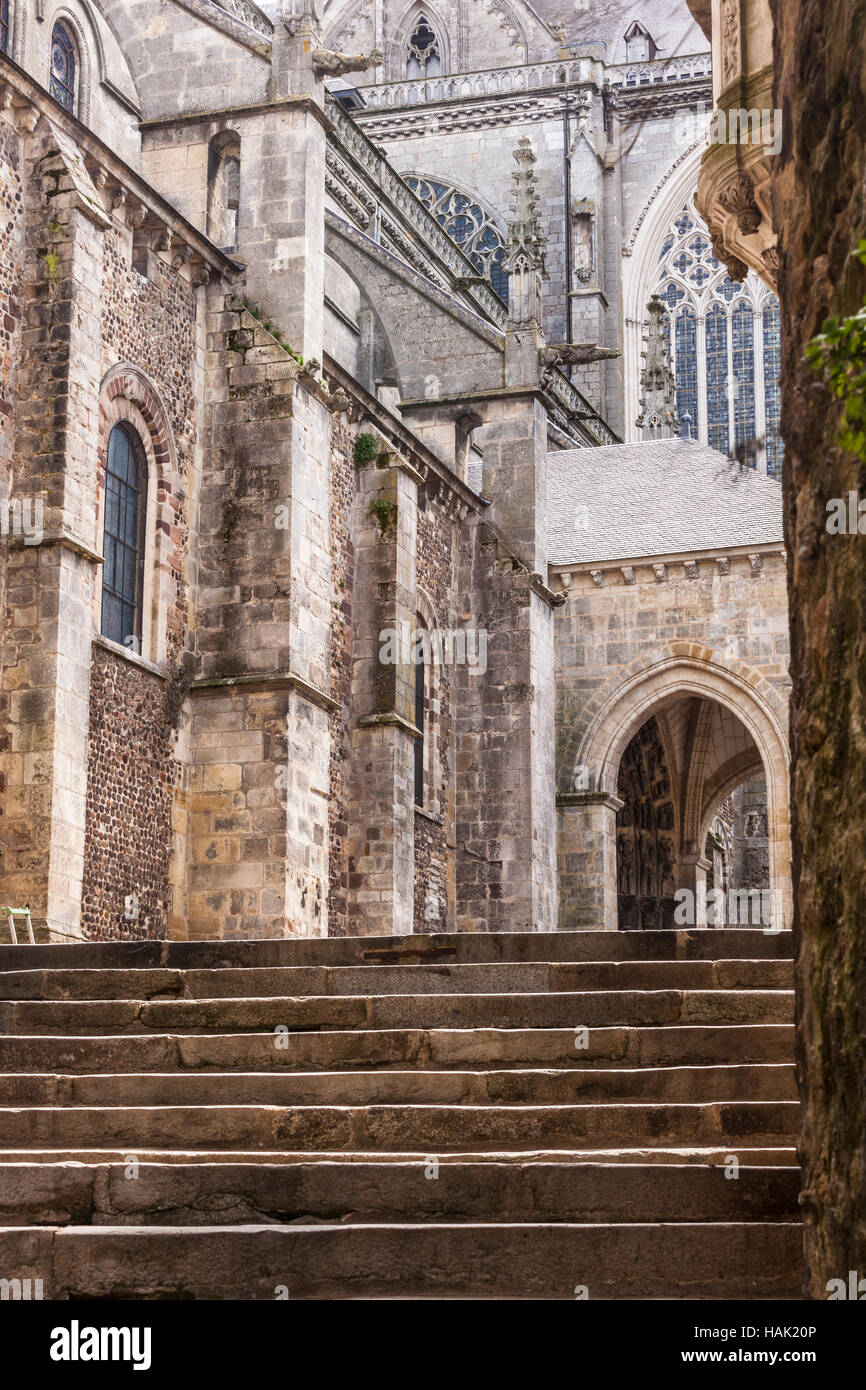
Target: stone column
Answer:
pixel 50 591
pixel 587 861
pixel 694 868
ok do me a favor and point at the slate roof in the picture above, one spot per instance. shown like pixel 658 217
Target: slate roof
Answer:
pixel 665 497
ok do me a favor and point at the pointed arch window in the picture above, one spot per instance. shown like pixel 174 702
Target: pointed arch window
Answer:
pixel 4 26
pixel 63 67
pixel 424 58
pixel 123 545
pixel 724 347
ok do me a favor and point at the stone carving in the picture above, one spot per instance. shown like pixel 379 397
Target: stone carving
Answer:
pixel 739 198
pixel 730 29
pixel 576 354
pixel 328 64
pixel 737 269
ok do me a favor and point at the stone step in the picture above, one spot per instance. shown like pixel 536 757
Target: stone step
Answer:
pixel 427 1128
pixel 739 943
pixel 185 1194
pixel 778 1155
pixel 344 980
pixel 727 1260
pixel 764 1081
pixel 386 1048
pixel 592 1008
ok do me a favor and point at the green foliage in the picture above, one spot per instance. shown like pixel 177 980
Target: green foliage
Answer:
pixel 366 449
pixel 839 352
pixel 274 332
pixel 383 511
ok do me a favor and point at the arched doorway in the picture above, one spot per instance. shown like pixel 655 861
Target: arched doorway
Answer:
pixel 681 845
pixel 657 756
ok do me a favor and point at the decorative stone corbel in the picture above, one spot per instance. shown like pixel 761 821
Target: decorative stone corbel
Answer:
pixel 661 573
pixel 739 198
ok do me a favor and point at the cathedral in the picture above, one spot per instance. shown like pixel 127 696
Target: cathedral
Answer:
pixel 394 654
pixel 330 324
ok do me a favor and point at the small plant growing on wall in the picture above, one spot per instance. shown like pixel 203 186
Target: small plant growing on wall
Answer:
pixel 839 352
pixel 366 450
pixel 384 512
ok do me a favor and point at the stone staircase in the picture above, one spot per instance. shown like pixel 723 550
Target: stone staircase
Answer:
pixel 469 1116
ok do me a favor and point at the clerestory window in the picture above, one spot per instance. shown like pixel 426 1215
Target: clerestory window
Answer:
pixel 469 225
pixel 424 58
pixel 63 67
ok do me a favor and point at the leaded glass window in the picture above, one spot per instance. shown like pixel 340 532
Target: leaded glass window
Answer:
pixel 123 552
pixel 724 347
pixel 62 77
pixel 471 227
pixel 772 392
pixel 4 26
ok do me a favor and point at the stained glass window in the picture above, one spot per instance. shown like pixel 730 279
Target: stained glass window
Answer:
pixel 123 557
pixel 687 378
pixel 717 377
pixel 470 226
pixel 62 77
pixel 772 393
pixel 742 382
pixel 724 348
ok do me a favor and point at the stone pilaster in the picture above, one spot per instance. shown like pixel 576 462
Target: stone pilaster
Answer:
pixel 50 592
pixel 257 781
pixel 382 820
pixel 587 861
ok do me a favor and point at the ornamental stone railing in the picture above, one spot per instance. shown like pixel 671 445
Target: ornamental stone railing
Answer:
pixel 512 81
pixel 660 72
pixel 248 14
pixel 374 196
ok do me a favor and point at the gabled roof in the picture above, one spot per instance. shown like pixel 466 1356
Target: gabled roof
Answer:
pixel 665 497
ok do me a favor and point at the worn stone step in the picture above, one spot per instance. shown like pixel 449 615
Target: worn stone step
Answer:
pixel 344 980
pixel 592 1008
pixel 725 1260
pixel 781 1154
pixel 421 1049
pixel 388 1127
pixel 740 943
pixel 186 1194
pixel 516 1086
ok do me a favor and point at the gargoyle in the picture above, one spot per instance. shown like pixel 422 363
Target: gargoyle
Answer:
pixel 576 354
pixel 328 64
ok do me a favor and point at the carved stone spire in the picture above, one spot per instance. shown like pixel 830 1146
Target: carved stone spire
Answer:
pixel 525 253
pixel 658 409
